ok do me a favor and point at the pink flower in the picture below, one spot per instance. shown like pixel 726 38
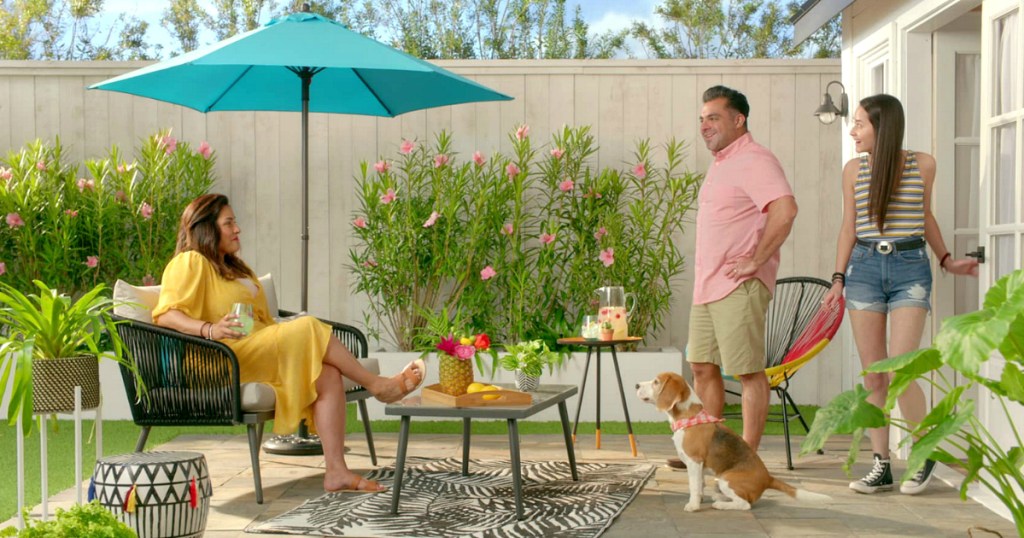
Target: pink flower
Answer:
pixel 433 218
pixel 488 273
pixel 360 222
pixel 479 158
pixel 85 184
pixel 92 261
pixel 640 170
pixel 14 220
pixel 522 132
pixel 440 160
pixel 388 197
pixel 608 256
pixel 148 280
pixel 547 238
pixel 601 232
pixel 41 165
pixel 370 263
pixel 592 194
pixel 407 147
pixel 6 174
pixel 71 213
pixel 170 144
pixel 381 166
pixel 146 210
pixel 447 345
pixel 512 170
pixel 3 268
pixel 125 167
pixel 120 196
pixel 464 352
pixel 507 229
pixel 557 153
pixel 205 150
pixel 566 185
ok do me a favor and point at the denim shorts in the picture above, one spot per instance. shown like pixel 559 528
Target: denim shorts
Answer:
pixel 878 282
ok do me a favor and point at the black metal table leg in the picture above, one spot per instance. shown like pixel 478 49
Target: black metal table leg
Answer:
pixel 597 392
pixel 517 472
pixel 579 401
pixel 465 446
pixel 403 441
pixel 563 412
pixel 625 409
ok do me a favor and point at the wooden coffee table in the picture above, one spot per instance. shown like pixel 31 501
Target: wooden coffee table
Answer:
pixel 544 397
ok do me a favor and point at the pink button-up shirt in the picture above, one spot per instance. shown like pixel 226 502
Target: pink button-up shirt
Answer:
pixel 737 189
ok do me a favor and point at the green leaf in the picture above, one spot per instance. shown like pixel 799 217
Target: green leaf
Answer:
pixel 906 369
pixel 966 341
pixel 1008 289
pixel 925 445
pixel 942 410
pixel 1011 383
pixel 845 414
pixel 1012 347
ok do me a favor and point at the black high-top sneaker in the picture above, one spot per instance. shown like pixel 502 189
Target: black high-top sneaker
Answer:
pixel 879 479
pixel 919 482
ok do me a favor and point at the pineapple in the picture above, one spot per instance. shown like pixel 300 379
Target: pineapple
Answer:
pixel 456 375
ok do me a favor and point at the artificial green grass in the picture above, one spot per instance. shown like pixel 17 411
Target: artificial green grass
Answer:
pixel 119 437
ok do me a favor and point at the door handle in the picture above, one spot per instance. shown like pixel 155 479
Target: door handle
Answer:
pixel 979 254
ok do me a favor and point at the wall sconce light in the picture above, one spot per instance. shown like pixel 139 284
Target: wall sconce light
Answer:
pixel 827 112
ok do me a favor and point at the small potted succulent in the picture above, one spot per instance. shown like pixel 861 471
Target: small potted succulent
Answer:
pixel 607 332
pixel 527 360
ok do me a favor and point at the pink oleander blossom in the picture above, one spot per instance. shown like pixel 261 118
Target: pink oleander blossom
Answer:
pixel 369 264
pixel 14 220
pixel 85 184
pixel 3 268
pixel 601 232
pixel 557 153
pixel 522 132
pixel 547 238
pixel 381 166
pixel 440 160
pixel 388 197
pixel 507 229
pixel 566 185
pixel 592 194
pixel 41 165
pixel 512 170
pixel 479 158
pixel 407 147
pixel 432 219
pixel 640 170
pixel 205 150
pixel 607 256
pixel 121 197
pixel 488 273
pixel 169 143
pixel 360 222
pixel 92 261
pixel 146 210
pixel 6 174
pixel 148 280
pixel 71 213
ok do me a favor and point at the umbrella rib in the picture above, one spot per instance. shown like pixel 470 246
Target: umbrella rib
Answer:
pixel 228 89
pixel 374 93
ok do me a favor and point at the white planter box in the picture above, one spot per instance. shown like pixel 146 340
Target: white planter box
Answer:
pixel 635 367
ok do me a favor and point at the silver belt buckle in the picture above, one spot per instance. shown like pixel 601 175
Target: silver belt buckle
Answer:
pixel 884 247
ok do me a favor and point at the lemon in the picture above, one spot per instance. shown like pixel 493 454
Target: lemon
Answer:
pixel 466 341
pixel 493 387
pixel 491 396
pixel 475 387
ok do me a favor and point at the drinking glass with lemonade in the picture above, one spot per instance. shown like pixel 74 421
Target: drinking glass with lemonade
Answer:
pixel 243 311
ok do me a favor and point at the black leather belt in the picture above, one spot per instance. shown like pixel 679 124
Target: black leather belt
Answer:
pixel 885 247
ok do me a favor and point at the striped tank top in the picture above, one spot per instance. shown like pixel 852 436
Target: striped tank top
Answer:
pixel 905 217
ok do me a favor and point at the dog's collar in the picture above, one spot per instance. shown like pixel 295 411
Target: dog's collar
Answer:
pixel 700 418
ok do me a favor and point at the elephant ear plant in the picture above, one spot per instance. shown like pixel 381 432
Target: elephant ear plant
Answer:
pixel 952 432
pixel 49 325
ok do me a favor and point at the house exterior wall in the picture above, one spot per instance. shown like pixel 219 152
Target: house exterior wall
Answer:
pixel 258 162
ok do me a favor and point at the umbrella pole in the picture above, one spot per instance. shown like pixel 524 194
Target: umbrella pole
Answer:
pixel 307 77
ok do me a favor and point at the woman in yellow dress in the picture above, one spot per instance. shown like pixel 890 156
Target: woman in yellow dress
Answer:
pixel 300 359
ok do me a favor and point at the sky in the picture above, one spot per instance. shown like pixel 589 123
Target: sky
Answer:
pixel 601 15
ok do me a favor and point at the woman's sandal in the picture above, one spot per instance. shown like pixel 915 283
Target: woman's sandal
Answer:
pixel 361 485
pixel 409 375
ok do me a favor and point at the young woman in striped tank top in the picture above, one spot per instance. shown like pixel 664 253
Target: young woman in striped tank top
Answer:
pixel 882 264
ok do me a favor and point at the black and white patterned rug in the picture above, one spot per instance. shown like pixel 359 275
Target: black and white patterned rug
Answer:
pixel 437 501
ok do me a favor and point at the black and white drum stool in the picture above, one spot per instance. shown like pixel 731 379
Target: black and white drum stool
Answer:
pixel 159 494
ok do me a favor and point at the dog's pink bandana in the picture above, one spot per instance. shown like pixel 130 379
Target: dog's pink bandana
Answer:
pixel 700 418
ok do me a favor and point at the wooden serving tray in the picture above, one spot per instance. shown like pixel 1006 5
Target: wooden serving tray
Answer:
pixel 506 398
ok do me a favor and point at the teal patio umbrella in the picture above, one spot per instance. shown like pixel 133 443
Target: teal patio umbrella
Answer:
pixel 273 68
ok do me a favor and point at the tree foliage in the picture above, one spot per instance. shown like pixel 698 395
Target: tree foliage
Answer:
pixel 69 30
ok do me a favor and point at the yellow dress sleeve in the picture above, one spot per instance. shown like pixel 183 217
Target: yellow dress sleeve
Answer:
pixel 185 283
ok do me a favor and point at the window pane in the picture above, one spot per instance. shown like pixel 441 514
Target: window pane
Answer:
pixel 1007 61
pixel 968 103
pixel 965 290
pixel 1003 258
pixel 965 179
pixel 1005 159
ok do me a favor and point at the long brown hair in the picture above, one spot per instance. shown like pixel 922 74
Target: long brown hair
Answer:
pixel 198 231
pixel 886 116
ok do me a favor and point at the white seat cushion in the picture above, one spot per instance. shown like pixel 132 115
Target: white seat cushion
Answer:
pixel 260 396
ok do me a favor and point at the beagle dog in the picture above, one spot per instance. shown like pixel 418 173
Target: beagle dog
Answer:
pixel 701 440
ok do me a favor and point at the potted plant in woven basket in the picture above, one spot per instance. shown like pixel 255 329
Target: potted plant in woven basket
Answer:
pixel 54 344
pixel 527 360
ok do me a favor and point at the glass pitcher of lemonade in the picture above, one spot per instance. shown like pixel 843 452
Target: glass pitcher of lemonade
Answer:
pixel 612 308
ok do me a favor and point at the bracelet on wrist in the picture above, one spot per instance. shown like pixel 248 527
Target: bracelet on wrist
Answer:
pixel 209 333
pixel 839 277
pixel 942 262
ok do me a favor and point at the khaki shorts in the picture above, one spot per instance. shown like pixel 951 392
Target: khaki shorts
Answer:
pixel 730 331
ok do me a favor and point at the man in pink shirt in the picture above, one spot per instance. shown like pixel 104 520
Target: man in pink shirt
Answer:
pixel 745 212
